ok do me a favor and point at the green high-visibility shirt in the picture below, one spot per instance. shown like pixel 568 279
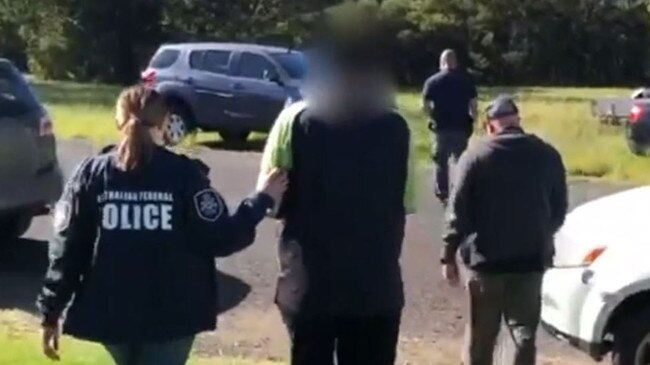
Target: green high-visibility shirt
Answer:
pixel 278 151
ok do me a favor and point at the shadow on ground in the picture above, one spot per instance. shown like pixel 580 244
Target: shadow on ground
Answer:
pixel 24 262
pixel 256 145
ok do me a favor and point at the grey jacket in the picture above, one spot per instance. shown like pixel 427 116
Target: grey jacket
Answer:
pixel 509 199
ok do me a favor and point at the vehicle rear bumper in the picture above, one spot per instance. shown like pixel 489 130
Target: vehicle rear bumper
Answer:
pixel 31 192
pixel 595 350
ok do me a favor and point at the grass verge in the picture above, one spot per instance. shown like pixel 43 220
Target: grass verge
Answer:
pixel 560 115
pixel 20 344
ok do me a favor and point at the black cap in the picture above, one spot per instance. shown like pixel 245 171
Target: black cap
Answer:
pixel 502 106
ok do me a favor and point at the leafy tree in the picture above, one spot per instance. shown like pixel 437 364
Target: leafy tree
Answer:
pixel 501 41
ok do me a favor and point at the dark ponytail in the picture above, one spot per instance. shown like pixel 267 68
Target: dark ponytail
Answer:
pixel 138 110
pixel 135 146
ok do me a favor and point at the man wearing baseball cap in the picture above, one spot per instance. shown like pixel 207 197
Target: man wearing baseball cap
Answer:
pixel 508 200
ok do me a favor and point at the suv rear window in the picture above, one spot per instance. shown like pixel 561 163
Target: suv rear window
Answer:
pixel 165 58
pixel 16 98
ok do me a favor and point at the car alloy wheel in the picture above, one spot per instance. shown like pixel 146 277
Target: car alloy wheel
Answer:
pixel 176 129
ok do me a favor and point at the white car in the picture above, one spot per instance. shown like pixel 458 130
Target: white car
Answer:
pixel 597 297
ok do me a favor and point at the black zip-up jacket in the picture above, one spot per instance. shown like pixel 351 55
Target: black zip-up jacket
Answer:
pixel 136 249
pixel 509 199
pixel 344 216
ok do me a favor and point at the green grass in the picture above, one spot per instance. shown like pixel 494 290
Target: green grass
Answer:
pixel 560 115
pixel 21 345
pixel 25 348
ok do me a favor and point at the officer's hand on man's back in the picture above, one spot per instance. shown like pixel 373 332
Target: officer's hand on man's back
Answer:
pixel 274 184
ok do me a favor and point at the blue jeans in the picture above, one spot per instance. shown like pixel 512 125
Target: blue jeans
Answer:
pixel 174 352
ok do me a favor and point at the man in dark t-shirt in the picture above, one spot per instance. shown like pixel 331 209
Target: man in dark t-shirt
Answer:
pixel 449 99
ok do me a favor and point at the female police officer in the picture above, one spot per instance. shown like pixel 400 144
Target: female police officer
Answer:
pixel 137 230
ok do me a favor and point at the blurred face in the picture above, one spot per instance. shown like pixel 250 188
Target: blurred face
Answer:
pixel 334 91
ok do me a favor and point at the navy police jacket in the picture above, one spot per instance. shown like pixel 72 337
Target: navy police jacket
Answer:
pixel 134 251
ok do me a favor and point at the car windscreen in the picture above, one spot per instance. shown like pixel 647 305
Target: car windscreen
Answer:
pixel 292 62
pixel 16 98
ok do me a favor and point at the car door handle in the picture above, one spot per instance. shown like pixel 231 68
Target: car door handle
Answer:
pixel 238 86
pixel 214 93
pixel 187 80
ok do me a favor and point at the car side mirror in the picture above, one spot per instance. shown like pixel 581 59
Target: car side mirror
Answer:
pixel 273 77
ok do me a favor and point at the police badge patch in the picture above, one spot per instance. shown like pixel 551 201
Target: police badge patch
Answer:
pixel 209 205
pixel 62 213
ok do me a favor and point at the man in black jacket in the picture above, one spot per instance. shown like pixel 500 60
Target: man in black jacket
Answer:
pixel 509 199
pixel 340 288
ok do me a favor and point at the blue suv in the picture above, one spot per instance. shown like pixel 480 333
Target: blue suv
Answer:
pixel 234 89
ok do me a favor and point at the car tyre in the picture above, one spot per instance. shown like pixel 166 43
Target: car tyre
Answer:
pixel 632 340
pixel 635 147
pixel 14 225
pixel 181 123
pixel 234 137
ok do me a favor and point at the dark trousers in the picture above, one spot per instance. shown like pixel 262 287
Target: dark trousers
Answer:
pixel 351 340
pixel 514 298
pixel 448 148
pixel 175 352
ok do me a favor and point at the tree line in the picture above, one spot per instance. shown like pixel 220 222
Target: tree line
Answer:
pixel 541 42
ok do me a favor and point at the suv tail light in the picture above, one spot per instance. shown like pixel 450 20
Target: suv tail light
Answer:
pixel 46 127
pixel 635 114
pixel 148 76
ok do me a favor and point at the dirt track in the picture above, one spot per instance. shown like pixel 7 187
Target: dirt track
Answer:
pixel 433 318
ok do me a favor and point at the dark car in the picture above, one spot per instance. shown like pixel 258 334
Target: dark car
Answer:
pixel 637 130
pixel 30 177
pixel 234 89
